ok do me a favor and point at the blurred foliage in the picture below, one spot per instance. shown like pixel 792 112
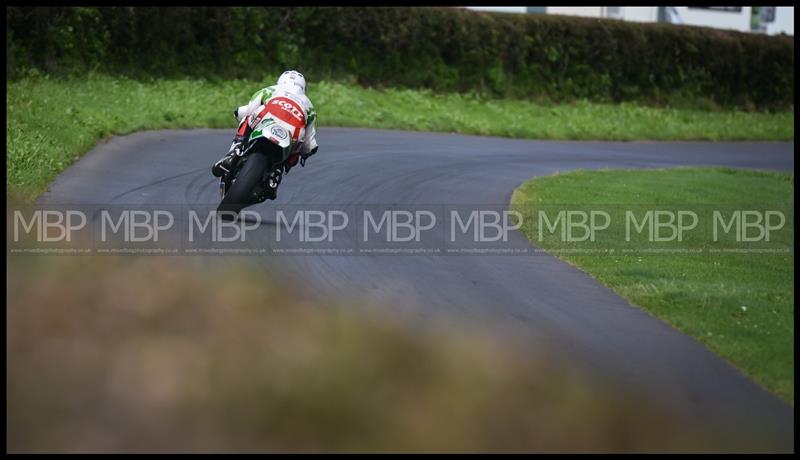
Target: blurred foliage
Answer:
pixel 443 49
pixel 144 354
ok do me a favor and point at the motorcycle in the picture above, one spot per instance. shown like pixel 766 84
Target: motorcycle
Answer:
pixel 258 164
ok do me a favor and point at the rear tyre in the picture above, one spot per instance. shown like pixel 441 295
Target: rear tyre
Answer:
pixel 240 193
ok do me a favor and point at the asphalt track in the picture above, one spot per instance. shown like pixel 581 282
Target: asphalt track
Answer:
pixel 539 295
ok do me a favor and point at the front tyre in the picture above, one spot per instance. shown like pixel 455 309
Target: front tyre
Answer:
pixel 240 193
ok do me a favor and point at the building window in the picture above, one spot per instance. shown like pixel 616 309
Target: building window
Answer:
pixel 729 9
pixel 766 13
pixel 614 12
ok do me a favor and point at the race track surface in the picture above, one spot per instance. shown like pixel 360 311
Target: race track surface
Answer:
pixel 539 295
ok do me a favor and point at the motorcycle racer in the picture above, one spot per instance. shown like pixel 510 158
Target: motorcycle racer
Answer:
pixel 285 100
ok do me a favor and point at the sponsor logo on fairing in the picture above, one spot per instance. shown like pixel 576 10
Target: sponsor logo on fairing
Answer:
pixel 289 107
pixel 279 132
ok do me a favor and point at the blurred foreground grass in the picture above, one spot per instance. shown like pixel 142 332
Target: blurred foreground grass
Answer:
pixel 143 354
pixel 51 122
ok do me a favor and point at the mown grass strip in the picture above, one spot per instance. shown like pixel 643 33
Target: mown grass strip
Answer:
pixel 740 305
pixel 51 122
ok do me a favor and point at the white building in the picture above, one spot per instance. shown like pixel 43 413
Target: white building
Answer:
pixel 731 18
pixel 770 20
pixel 500 9
pixel 783 22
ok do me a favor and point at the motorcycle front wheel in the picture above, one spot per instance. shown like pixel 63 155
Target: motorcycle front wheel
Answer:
pixel 240 193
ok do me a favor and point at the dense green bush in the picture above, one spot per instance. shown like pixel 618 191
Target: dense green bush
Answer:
pixel 444 49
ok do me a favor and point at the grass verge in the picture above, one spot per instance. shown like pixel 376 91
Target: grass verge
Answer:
pixel 51 122
pixel 740 305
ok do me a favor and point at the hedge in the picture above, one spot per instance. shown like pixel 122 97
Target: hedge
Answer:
pixel 444 49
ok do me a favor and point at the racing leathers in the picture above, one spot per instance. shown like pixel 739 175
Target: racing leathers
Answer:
pixel 293 108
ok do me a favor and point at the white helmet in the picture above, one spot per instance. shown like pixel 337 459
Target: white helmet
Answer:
pixel 292 81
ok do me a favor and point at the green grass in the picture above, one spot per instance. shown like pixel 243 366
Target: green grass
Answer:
pixel 741 306
pixel 51 122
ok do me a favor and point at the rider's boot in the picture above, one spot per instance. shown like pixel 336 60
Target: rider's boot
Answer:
pixel 272 184
pixel 223 166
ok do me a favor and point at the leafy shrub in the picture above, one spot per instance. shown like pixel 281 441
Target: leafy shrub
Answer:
pixel 444 49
